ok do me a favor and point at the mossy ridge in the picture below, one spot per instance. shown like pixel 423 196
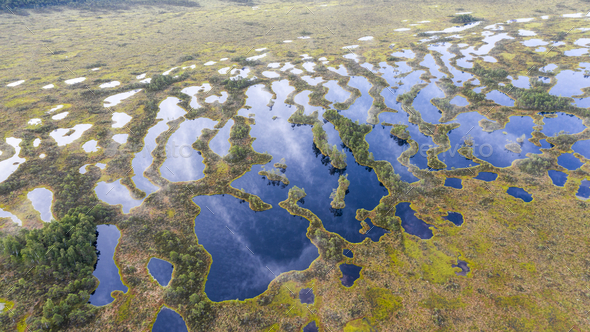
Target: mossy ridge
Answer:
pixel 338 194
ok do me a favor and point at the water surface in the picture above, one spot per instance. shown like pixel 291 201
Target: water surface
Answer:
pixel 584 190
pixel 161 270
pixel 42 200
pixel 311 327
pixel 350 273
pixel 169 320
pixel 486 176
pixel 249 248
pixel 520 193
pixel 306 296
pixel 569 161
pixel 463 266
pixel 559 178
pixel 106 270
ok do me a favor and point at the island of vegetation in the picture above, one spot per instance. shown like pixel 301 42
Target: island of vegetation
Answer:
pixel 338 194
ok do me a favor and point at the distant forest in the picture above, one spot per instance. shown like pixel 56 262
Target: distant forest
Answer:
pixel 34 3
pixel 44 3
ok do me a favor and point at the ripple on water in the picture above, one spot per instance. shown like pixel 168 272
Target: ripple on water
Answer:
pixel 106 270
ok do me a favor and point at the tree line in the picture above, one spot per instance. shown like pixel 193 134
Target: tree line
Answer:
pixel 50 269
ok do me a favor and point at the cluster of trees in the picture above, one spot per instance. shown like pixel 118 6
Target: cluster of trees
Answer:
pixel 536 98
pixel 237 84
pixel 161 82
pixel 330 244
pixel 239 131
pixel 352 134
pixel 338 194
pixel 400 131
pixel 489 74
pixel 337 158
pixel 243 61
pixel 274 175
pixel 535 165
pixel 282 164
pixel 185 290
pixel 474 97
pixel 237 153
pixel 465 18
pixel 299 117
pixel 53 265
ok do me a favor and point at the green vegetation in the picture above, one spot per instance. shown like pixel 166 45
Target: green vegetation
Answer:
pixel 338 194
pixel 537 98
pixel 161 82
pixel 395 269
pixel 320 139
pixel 383 303
pixel 299 117
pixel 235 85
pixel 465 18
pixel 184 291
pixel 400 131
pixel 52 265
pixel 281 164
pixel 489 76
pixel 274 175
